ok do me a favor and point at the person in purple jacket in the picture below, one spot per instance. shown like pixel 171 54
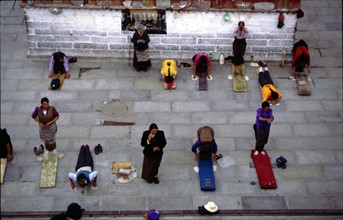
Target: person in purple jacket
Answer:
pixel 264 118
pixel 59 64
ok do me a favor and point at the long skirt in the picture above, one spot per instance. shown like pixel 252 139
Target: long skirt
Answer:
pixel 48 136
pixel 141 60
pixel 150 168
pixel 85 158
pixel 238 47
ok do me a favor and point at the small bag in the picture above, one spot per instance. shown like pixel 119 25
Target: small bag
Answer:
pixel 55 84
pixel 281 162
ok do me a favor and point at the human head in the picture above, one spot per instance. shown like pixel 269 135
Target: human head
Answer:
pixel 153 214
pixel 203 59
pixel 74 211
pixel 82 180
pixel 44 102
pixel 241 24
pixel 265 105
pixel 274 95
pixel 141 29
pixel 153 128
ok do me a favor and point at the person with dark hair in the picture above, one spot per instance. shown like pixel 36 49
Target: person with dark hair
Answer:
pixel 153 141
pixel 301 57
pixel 6 148
pixel 46 116
pixel 59 64
pixel 269 92
pixel 84 169
pixel 202 65
pixel 141 58
pixel 239 44
pixel 169 72
pixel 264 118
pixel 61 216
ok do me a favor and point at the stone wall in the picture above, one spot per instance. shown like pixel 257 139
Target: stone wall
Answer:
pixel 97 33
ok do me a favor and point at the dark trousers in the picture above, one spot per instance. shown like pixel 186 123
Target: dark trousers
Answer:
pixel 264 78
pixel 261 138
pixel 238 47
pixel 85 158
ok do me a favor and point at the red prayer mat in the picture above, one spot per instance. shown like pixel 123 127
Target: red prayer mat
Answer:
pixel 264 170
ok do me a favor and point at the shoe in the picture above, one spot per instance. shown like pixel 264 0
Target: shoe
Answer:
pixel 196 169
pixel 230 77
pixel 35 149
pixel 100 148
pixel 54 151
pixel 262 64
pixel 72 60
pixel 263 153
pixel 156 180
pixel 228 58
pixel 41 148
pixel 96 149
pixel 256 153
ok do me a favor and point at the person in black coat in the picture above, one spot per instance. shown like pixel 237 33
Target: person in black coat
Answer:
pixel 153 141
pixel 141 57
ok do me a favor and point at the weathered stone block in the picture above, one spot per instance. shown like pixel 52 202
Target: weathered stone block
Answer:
pixel 54 45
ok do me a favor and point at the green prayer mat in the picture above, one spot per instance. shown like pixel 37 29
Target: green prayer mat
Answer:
pixel 238 78
pixel 49 171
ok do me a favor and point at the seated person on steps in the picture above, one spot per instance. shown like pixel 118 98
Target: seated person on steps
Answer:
pixel 301 57
pixel 84 169
pixel 202 65
pixel 269 92
pixel 169 71
pixel 59 64
pixel 205 147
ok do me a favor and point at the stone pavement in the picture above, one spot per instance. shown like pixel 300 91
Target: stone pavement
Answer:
pixel 307 130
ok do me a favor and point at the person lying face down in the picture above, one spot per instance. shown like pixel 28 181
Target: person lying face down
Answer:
pixel 84 169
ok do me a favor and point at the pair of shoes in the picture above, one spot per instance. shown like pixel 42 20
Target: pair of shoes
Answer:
pixel 262 64
pixel 98 149
pixel 185 64
pixel 228 58
pixel 256 153
pixel 219 156
pixel 156 180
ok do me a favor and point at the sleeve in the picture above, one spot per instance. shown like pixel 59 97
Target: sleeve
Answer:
pixel 35 112
pixel 144 139
pixel 208 61
pixel 308 55
pixel 295 57
pixel 55 112
pixel 235 30
pixel 195 146
pixel 72 176
pixel 215 147
pixel 146 37
pixel 265 93
pixel 162 140
pixel 52 61
pixel 134 38
pixel 246 30
pixel 271 114
pixel 66 63
pixel 258 114
pixel 92 175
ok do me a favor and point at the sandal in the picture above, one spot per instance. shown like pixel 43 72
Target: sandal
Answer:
pixel 35 149
pixel 72 60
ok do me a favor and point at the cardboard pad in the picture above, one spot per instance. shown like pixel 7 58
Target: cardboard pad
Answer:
pixel 238 78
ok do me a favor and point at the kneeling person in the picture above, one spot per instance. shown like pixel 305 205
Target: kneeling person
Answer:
pixel 205 147
pixel 84 169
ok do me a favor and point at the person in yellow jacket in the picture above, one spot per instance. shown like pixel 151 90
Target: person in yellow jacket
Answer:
pixel 269 92
pixel 169 72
